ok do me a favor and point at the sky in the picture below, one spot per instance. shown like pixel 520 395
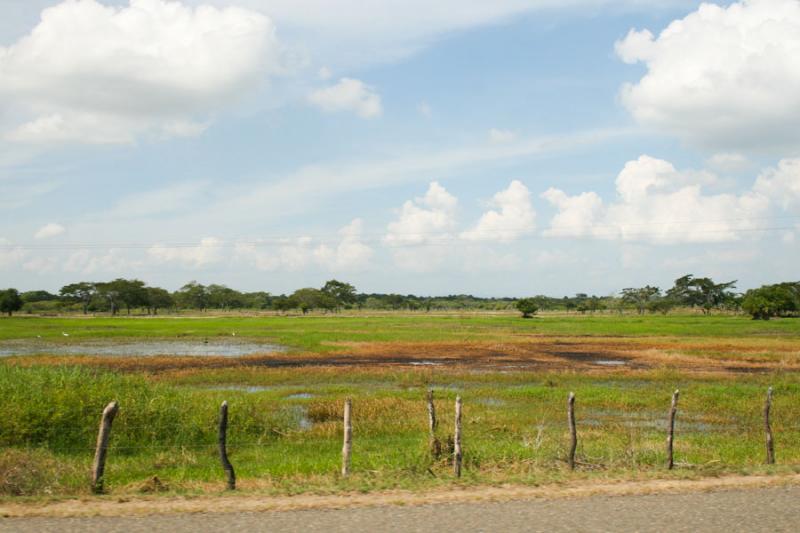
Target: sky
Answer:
pixel 505 148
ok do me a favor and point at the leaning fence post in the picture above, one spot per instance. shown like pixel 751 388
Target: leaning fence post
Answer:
pixel 457 454
pixel 768 429
pixel 223 449
pixel 99 464
pixel 434 445
pixel 348 438
pixel 671 429
pixel 573 433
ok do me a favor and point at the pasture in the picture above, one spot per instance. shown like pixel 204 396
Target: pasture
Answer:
pixel 285 428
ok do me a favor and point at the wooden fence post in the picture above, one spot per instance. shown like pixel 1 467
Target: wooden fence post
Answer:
pixel 433 443
pixel 99 464
pixel 348 438
pixel 457 454
pixel 573 432
pixel 223 449
pixel 768 428
pixel 671 429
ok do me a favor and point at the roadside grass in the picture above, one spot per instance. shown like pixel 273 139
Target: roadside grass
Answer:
pixel 285 428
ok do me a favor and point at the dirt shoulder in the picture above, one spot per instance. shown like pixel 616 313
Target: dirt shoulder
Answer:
pixel 109 506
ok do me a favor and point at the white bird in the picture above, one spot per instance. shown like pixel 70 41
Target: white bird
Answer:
pixel 65 334
pixel 234 333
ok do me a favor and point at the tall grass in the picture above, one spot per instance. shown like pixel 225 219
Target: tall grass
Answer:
pixel 286 436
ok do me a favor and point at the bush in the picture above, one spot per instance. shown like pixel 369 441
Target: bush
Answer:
pixel 527 306
pixel 770 301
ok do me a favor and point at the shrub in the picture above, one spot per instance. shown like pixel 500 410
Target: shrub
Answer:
pixel 527 306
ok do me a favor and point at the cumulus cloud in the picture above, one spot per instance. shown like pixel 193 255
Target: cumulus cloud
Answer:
pixel 348 95
pixel 781 184
pixel 426 219
pixel 422 235
pixel 49 230
pixel 101 74
pixel 657 203
pixel 207 252
pixel 513 218
pixel 724 77
pixel 351 254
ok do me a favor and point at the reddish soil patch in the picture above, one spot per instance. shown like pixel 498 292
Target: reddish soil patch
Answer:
pixel 588 355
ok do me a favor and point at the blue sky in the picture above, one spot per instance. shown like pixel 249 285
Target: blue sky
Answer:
pixel 504 148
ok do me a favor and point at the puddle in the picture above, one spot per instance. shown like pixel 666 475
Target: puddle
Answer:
pixel 609 362
pixel 199 347
pixel 300 396
pixel 647 420
pixel 243 388
pixel 424 363
pixel 300 415
pixel 491 402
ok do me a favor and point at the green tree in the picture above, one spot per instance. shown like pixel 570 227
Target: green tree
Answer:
pixel 37 296
pixel 640 297
pixel 193 295
pixel 527 306
pixel 701 292
pixel 782 299
pixel 343 293
pixel 81 292
pixel 10 301
pixel 308 299
pixel 158 298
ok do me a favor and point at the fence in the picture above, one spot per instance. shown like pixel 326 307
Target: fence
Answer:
pixel 436 448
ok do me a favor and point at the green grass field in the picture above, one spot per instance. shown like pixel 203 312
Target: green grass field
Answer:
pixel 285 423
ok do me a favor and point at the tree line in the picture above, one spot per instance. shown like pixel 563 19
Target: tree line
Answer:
pixel 126 295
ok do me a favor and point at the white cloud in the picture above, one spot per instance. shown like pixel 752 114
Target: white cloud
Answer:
pixel 285 254
pixel 729 162
pixel 101 74
pixel 207 252
pixel 656 203
pixel 350 33
pixel 423 234
pixel 501 136
pixel 513 218
pixel 427 219
pixel 49 230
pixel 10 255
pixel 351 254
pixel 781 184
pixel 324 73
pixel 114 261
pixel 724 77
pixel 348 95
pixel 40 265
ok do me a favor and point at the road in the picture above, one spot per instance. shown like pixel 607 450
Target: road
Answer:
pixel 766 509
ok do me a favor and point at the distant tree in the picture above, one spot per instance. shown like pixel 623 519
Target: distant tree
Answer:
pixel 702 293
pixel 37 296
pixel 10 301
pixel 308 299
pixel 343 293
pixel 158 298
pixel 527 306
pixel 782 299
pixel 192 295
pixel 640 297
pixel 222 297
pixel 81 292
